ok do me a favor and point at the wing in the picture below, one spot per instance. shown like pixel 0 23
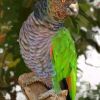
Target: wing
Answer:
pixel 64 60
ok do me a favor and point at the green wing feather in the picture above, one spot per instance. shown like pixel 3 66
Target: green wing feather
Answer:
pixel 64 60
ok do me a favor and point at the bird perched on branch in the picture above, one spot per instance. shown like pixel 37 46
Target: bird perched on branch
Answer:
pixel 47 46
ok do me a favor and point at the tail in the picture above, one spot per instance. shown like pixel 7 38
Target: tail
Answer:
pixel 71 82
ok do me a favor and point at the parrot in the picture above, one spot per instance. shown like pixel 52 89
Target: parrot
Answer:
pixel 47 47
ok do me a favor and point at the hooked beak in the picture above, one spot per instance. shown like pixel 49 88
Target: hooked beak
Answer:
pixel 73 9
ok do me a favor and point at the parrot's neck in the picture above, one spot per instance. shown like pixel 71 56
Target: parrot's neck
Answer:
pixel 42 12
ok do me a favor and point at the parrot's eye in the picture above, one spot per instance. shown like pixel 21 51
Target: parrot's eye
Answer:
pixel 63 1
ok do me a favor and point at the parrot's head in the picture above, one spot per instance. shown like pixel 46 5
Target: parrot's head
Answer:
pixel 60 9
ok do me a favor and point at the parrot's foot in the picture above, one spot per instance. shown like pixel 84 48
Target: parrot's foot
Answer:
pixel 47 94
pixel 51 93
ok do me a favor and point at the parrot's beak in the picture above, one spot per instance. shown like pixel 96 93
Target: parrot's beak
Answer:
pixel 73 9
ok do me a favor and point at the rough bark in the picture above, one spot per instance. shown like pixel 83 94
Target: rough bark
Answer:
pixel 37 89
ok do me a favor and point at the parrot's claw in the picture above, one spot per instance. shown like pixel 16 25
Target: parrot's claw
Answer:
pixel 47 94
pixel 51 93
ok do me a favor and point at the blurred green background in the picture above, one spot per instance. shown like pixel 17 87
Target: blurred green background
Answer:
pixel 12 15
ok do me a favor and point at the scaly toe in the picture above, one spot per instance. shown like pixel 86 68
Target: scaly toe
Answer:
pixel 50 93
